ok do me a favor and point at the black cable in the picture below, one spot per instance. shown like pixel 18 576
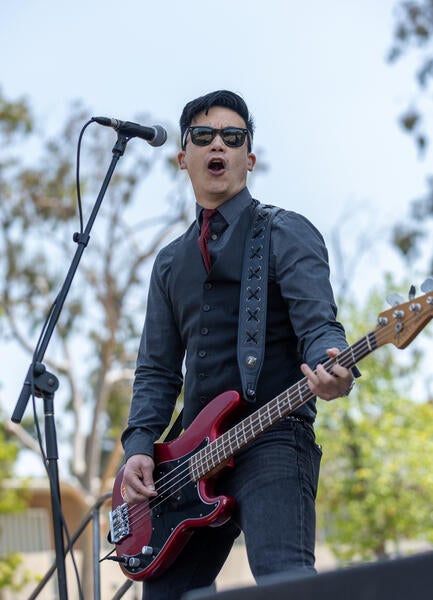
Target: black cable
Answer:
pixel 77 176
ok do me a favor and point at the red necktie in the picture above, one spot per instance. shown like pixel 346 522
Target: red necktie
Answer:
pixel 204 236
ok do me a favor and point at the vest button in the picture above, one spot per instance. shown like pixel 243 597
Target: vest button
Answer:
pixel 202 353
pixel 206 307
pixel 204 330
pixel 203 399
pixel 208 286
pixel 201 375
pixel 214 236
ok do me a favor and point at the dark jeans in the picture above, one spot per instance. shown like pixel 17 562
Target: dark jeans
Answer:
pixel 275 483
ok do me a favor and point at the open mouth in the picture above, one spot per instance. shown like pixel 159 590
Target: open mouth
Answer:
pixel 216 165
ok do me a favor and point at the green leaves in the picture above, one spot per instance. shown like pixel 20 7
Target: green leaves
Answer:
pixel 376 486
pixel 15 117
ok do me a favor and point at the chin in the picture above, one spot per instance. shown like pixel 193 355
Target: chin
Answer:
pixel 218 192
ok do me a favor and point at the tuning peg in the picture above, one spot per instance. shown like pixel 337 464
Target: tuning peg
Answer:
pixel 427 286
pixel 394 299
pixel 412 292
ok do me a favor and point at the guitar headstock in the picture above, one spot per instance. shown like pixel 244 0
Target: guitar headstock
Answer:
pixel 400 324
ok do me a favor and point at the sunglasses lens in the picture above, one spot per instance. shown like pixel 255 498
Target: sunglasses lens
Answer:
pixel 202 136
pixel 232 136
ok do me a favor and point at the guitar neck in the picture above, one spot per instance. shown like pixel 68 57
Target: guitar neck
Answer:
pixel 240 435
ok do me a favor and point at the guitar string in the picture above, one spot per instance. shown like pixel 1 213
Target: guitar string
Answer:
pixel 208 453
pixel 302 389
pixel 141 511
pixel 348 357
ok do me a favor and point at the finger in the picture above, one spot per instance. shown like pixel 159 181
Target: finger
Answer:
pixel 313 378
pixel 138 478
pixel 150 486
pixel 340 371
pixel 134 494
pixel 345 376
pixel 321 383
pixel 338 368
pixel 323 375
pixel 146 478
pixel 333 352
pixel 143 484
pixel 309 373
pixel 139 487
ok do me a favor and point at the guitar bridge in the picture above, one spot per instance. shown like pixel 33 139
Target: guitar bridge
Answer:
pixel 119 523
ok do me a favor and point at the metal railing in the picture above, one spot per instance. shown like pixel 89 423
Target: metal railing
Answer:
pixel 93 517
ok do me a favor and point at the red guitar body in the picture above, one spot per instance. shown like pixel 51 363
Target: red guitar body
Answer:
pixel 150 536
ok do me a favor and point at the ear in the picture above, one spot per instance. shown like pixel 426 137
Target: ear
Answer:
pixel 251 161
pixel 181 160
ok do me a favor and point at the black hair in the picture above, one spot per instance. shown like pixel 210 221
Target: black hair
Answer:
pixel 222 98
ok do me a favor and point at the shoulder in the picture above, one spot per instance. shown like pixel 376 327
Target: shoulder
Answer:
pixel 165 255
pixel 294 227
pixel 294 221
pixel 295 240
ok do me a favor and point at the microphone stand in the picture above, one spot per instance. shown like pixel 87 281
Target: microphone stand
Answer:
pixel 43 384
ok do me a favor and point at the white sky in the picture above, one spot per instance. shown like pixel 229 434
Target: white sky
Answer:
pixel 313 73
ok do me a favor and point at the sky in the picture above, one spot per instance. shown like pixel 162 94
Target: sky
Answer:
pixel 314 74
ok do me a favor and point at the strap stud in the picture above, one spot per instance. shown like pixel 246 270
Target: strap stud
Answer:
pixel 251 361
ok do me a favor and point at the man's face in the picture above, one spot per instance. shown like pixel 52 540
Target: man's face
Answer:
pixel 217 172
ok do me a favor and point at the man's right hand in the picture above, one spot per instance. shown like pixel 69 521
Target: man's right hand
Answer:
pixel 138 481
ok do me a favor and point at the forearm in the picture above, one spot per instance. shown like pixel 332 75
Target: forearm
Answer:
pixel 158 376
pixel 153 400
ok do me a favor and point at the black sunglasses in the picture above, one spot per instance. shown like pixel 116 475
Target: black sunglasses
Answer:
pixel 234 137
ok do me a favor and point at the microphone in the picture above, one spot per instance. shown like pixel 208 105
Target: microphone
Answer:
pixel 155 136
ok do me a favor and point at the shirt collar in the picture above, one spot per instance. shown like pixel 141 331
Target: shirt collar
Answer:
pixel 230 209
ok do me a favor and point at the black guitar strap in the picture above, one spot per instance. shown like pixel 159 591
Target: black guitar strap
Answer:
pixel 253 299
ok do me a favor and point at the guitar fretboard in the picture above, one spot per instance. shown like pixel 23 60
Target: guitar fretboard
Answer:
pixel 240 435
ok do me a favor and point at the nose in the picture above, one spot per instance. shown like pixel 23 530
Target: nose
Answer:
pixel 217 143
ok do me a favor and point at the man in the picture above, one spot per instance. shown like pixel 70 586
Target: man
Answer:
pixel 194 312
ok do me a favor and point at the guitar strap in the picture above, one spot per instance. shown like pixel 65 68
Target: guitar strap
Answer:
pixel 253 299
pixel 252 305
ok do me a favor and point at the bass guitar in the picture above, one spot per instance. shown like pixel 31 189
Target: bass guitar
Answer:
pixel 149 536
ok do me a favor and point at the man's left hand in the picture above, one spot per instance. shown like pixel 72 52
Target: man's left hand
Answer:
pixel 329 386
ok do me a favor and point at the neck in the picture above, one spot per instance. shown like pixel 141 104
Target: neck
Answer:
pixel 211 203
pixel 215 201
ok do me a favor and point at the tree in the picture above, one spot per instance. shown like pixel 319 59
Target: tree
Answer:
pixel 413 34
pixel 376 485
pixel 95 343
pixel 12 501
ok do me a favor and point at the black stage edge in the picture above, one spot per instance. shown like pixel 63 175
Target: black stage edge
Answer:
pixel 396 579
